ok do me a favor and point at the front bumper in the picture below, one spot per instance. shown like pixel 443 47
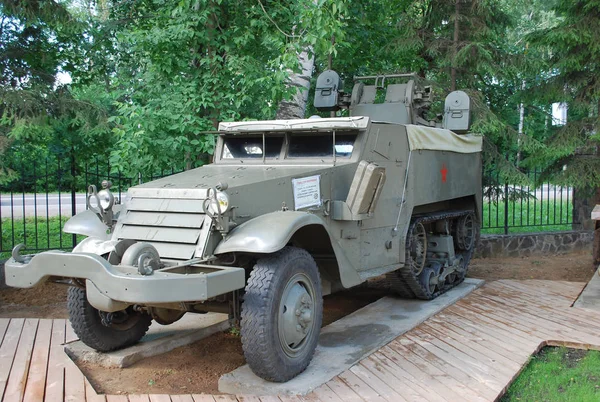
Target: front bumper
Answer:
pixel 122 283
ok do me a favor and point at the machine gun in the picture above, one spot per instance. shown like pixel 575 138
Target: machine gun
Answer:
pixel 404 103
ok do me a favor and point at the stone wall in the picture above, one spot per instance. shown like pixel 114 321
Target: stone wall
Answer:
pixel 524 245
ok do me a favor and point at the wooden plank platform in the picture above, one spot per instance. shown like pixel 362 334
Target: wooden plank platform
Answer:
pixel 471 351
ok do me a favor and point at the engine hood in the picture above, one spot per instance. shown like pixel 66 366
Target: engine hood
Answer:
pixel 168 213
pixel 194 183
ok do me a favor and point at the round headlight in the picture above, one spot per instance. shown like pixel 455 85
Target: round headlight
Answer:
pixel 223 200
pixel 107 199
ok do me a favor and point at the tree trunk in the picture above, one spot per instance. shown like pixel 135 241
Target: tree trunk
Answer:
pixel 583 204
pixel 295 107
pixel 521 126
pixel 455 45
pixel 596 243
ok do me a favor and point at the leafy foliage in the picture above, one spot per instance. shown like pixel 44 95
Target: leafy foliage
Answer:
pixel 38 114
pixel 180 68
pixel 419 36
pixel 151 77
pixel 571 51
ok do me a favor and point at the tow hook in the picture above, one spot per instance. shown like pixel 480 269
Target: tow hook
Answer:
pixel 16 254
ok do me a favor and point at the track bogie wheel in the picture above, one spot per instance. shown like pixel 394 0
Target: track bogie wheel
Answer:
pixel 416 251
pixel 465 232
pixel 427 280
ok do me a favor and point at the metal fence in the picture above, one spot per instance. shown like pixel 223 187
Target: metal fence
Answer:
pixel 35 207
pixel 516 209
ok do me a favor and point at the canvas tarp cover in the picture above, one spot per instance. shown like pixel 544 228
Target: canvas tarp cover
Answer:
pixel 438 139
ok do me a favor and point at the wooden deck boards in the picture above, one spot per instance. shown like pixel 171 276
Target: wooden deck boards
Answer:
pixel 470 351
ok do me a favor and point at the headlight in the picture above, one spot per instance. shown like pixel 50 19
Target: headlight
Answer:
pixel 223 200
pixel 107 199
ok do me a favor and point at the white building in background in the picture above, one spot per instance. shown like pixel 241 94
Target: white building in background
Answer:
pixel 559 113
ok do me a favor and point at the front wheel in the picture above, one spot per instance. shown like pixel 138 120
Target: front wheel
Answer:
pixel 282 314
pixel 101 330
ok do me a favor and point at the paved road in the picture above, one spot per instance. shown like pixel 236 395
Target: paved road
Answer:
pixel 27 205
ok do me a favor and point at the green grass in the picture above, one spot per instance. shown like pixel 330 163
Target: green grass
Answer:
pixel 48 236
pixel 544 216
pixel 558 374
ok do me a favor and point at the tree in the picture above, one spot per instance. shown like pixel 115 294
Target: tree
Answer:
pixel 26 79
pixel 39 115
pixel 449 45
pixel 181 68
pixel 169 72
pixel 572 76
pixel 322 20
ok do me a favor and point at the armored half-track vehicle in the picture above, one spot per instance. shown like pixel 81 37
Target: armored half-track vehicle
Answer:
pixel 289 211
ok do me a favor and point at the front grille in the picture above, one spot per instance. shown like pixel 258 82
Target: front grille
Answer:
pixel 173 226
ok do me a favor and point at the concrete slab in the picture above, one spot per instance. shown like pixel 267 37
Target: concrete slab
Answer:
pixel 159 339
pixel 346 341
pixel 590 297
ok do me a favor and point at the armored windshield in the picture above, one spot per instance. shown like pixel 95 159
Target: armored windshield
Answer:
pixel 321 145
pixel 273 146
pixel 244 146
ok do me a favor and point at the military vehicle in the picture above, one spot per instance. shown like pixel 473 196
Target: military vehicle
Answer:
pixel 289 211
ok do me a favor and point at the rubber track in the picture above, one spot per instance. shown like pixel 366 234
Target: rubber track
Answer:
pixel 404 280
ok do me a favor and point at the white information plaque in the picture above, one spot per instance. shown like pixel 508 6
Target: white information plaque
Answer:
pixel 307 192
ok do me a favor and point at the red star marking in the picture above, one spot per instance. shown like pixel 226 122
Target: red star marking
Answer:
pixel 444 173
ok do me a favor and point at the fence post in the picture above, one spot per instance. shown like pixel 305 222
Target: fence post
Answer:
pixel 506 208
pixel 73 191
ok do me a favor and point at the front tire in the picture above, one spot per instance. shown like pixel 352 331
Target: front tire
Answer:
pixel 282 314
pixel 100 331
